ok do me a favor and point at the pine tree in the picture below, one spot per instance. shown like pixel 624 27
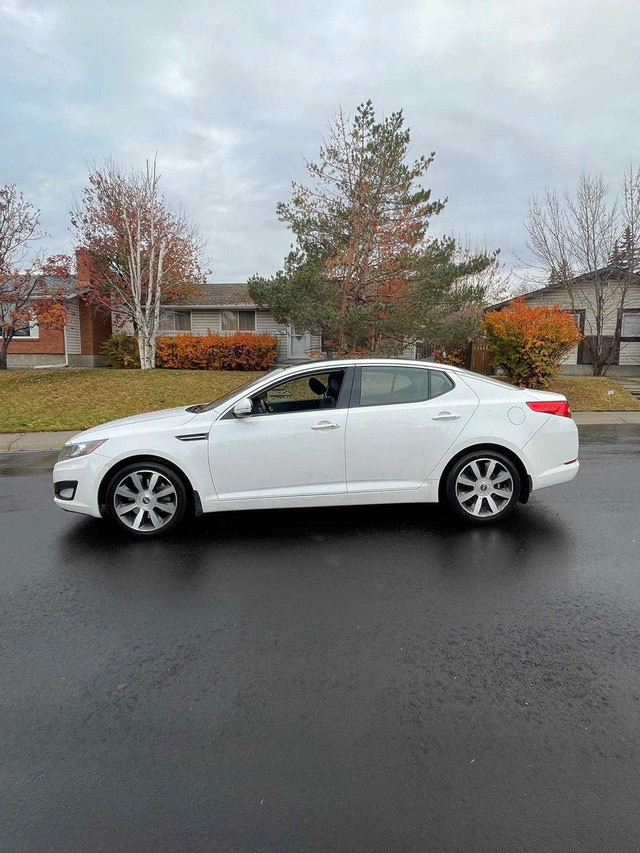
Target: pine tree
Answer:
pixel 363 272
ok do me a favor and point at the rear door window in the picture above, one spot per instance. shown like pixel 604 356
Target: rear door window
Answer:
pixel 440 383
pixel 387 386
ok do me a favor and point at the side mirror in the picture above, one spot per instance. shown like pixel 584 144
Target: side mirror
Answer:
pixel 243 408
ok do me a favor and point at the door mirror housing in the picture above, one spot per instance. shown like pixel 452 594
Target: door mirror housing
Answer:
pixel 243 408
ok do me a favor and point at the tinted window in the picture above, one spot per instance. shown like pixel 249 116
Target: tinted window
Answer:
pixel 301 394
pixel 440 383
pixel 384 386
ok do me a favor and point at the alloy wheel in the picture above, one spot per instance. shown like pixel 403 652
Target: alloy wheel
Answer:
pixel 484 487
pixel 145 500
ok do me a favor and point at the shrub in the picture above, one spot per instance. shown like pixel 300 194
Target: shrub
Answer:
pixel 121 350
pixel 240 351
pixel 528 343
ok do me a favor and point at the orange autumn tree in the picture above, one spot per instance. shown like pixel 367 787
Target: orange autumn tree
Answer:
pixel 527 344
pixel 31 289
pixel 144 252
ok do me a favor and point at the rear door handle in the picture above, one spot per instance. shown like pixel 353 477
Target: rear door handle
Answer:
pixel 324 425
pixel 445 416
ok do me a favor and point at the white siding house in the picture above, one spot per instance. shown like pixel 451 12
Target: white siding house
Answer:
pixel 227 308
pixel 625 323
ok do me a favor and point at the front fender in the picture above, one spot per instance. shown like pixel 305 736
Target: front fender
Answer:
pixel 189 457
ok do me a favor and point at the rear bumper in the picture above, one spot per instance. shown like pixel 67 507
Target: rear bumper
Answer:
pixel 555 476
pixel 551 455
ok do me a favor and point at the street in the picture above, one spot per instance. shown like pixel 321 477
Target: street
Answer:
pixel 378 679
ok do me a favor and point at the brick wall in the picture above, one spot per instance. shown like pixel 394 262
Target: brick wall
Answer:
pixel 95 328
pixel 49 341
pixel 95 325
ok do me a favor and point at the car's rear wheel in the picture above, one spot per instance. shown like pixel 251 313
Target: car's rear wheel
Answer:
pixel 483 486
pixel 146 499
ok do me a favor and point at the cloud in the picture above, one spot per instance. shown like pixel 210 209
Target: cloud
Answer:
pixel 233 96
pixel 29 18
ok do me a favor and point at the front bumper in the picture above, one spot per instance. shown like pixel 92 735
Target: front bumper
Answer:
pixel 87 472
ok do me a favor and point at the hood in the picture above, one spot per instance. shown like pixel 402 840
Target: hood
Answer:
pixel 170 417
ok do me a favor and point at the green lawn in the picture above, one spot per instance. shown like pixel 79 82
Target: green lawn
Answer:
pixel 38 400
pixel 590 394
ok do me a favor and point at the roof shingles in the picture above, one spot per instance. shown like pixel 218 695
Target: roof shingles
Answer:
pixel 220 296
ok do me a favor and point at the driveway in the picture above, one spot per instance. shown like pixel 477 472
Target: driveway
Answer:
pixel 380 679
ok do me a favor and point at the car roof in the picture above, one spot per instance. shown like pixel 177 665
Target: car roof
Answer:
pixel 377 362
pixel 314 366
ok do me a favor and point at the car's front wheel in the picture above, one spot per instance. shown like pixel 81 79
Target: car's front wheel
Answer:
pixel 483 486
pixel 146 499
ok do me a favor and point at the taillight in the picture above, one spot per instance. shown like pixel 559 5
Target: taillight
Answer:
pixel 552 407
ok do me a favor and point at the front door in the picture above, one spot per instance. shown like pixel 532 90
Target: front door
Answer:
pixel 298 344
pixel 291 446
pixel 401 423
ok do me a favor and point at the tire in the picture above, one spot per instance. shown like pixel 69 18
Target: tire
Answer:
pixel 146 499
pixel 483 487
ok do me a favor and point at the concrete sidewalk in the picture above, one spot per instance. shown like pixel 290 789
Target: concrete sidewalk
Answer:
pixel 601 418
pixel 14 442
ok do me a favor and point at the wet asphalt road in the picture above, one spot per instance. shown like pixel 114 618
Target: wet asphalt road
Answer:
pixel 378 679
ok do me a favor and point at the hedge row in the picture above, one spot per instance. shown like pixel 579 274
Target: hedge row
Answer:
pixel 240 351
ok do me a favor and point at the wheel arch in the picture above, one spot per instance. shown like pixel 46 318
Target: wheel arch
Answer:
pixel 525 477
pixel 194 506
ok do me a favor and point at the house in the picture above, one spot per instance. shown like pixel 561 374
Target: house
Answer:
pixel 621 328
pixel 78 344
pixel 227 308
pixel 219 308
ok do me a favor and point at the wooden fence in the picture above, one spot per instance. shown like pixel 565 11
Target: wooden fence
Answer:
pixel 475 356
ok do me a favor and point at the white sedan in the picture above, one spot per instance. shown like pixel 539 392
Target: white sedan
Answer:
pixel 336 433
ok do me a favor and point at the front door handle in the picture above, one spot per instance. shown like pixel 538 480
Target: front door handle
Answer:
pixel 445 416
pixel 323 425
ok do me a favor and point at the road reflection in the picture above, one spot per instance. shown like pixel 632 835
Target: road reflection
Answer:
pixel 363 541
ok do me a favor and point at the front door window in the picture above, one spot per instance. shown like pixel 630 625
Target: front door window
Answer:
pixel 302 394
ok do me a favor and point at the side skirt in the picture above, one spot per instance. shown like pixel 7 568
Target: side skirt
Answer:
pixel 427 493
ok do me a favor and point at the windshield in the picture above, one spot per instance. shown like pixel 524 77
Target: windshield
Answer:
pixel 206 407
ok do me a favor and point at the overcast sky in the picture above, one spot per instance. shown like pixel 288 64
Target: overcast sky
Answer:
pixel 511 94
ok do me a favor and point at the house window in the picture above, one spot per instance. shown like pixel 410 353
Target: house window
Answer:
pixel 630 328
pixel 27 330
pixel 238 321
pixel 175 321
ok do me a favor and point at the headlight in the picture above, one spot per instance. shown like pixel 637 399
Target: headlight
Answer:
pixel 83 448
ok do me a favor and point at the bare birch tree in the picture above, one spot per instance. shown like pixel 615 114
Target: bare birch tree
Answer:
pixel 143 252
pixel 589 243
